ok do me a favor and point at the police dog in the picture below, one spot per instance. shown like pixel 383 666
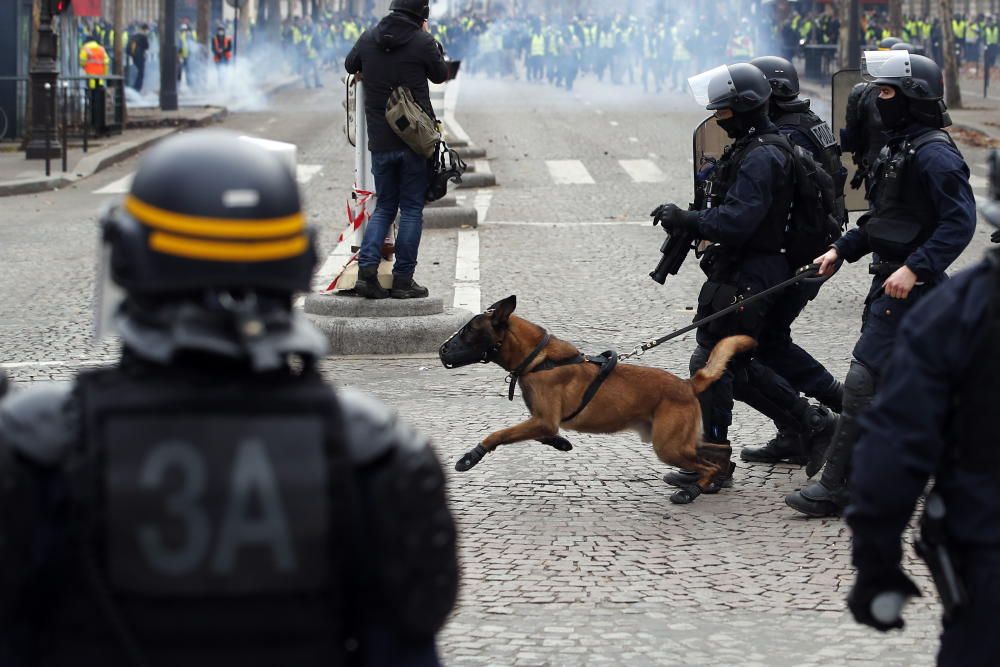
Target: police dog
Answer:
pixel 658 405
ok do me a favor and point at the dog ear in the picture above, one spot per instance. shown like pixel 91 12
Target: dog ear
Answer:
pixel 501 310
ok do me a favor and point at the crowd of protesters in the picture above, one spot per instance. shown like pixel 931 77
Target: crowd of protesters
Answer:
pixel 658 52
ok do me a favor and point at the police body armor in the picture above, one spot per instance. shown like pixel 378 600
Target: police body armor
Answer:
pixel 770 235
pixel 903 216
pixel 827 151
pixel 237 519
pixel 720 263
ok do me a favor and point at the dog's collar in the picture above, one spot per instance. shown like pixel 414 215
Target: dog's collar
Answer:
pixel 515 374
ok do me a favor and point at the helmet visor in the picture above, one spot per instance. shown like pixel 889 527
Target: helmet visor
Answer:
pixel 711 86
pixel 885 65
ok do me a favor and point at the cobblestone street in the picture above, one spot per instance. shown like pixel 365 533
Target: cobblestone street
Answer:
pixel 573 558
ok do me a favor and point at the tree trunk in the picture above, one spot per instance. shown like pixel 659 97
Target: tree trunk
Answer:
pixel 244 27
pixel 896 18
pixel 119 45
pixel 952 89
pixel 203 27
pixel 842 12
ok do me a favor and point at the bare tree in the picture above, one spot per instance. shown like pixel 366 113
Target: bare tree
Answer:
pixel 204 14
pixel 952 89
pixel 896 18
pixel 118 19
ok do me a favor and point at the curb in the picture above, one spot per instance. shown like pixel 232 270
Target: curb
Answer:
pixel 450 217
pixel 389 335
pixel 91 164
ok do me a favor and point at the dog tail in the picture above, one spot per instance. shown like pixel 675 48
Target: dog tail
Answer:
pixel 724 350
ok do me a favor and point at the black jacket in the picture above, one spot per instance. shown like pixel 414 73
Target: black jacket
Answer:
pixel 396 52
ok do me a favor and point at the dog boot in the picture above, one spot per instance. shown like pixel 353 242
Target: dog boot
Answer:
pixel 368 285
pixel 786 446
pixel 407 288
pixel 687 481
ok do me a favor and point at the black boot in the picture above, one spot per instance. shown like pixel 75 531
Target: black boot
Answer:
pixel 820 426
pixel 368 285
pixel 828 496
pixel 785 446
pixel 407 288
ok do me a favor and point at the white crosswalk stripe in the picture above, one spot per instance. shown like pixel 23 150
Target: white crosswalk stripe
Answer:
pixel 643 171
pixel 117 187
pixel 569 172
pixel 305 173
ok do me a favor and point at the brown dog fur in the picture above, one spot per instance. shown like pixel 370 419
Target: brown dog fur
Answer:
pixel 660 406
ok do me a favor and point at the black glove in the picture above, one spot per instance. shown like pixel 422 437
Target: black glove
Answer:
pixel 869 586
pixel 996 236
pixel 675 219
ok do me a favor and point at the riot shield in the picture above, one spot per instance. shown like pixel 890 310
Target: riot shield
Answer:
pixel 842 85
pixel 709 142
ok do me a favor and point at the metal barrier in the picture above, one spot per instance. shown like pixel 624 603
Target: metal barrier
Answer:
pixel 72 106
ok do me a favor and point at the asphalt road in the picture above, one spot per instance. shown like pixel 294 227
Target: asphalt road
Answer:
pixel 568 558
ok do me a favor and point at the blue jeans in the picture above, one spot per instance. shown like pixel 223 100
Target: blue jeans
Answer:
pixel 401 185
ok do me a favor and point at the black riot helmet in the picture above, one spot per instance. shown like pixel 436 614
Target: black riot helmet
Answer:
pixel 780 74
pixel 740 87
pixel 906 46
pixel 210 210
pixel 418 9
pixel 887 43
pixel 918 78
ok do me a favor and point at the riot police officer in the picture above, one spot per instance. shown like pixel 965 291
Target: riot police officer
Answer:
pixel 210 500
pixel 933 417
pixel 863 135
pixel 922 217
pixel 776 349
pixel 747 233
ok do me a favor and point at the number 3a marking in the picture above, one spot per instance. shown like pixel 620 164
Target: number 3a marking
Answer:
pixel 252 484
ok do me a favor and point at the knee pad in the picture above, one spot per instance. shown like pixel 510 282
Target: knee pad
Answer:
pixel 859 388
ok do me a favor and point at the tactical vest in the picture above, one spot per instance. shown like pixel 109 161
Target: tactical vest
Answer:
pixel 826 150
pixel 212 517
pixel 973 425
pixel 770 235
pixel 903 216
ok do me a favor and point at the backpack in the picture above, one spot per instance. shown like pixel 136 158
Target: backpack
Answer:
pixel 813 222
pixel 411 123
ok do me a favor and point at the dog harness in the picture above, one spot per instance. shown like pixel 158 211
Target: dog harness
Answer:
pixel 606 363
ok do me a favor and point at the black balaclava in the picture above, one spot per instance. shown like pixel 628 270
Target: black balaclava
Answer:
pixel 741 124
pixel 895 112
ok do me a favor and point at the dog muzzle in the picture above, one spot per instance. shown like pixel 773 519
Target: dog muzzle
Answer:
pixel 456 353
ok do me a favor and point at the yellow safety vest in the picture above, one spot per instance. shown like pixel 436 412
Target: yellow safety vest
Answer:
pixel 538 45
pixel 992 35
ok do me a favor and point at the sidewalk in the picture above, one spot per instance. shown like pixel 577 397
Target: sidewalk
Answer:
pixel 144 127
pixel 19 176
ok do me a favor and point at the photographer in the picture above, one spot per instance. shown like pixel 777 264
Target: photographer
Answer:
pixel 398 52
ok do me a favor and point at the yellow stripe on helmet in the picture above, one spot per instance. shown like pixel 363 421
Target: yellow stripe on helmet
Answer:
pixel 195 225
pixel 267 251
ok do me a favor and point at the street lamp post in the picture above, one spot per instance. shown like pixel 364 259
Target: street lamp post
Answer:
pixel 854 32
pixel 44 73
pixel 168 57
